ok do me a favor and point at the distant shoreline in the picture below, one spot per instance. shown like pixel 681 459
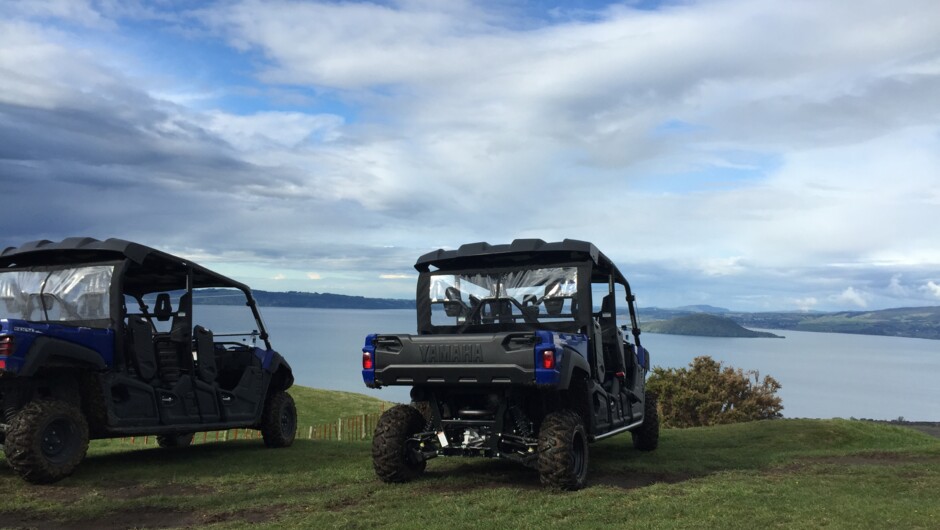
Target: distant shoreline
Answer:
pixel 909 322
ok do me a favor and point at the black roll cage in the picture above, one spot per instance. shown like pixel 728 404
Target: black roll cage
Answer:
pixel 524 254
pixel 150 271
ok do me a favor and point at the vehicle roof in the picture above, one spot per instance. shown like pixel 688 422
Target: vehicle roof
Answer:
pixel 89 250
pixel 482 255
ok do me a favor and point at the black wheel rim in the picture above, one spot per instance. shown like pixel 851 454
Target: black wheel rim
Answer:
pixel 56 440
pixel 578 455
pixel 287 419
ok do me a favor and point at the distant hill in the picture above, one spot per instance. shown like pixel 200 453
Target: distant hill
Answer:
pixel 914 322
pixel 705 325
pixel 704 308
pixel 299 299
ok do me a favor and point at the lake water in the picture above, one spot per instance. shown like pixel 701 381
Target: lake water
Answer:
pixel 823 375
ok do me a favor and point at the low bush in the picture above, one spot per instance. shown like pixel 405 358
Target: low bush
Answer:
pixel 706 393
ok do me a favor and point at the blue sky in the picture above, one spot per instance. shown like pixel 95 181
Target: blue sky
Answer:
pixel 750 154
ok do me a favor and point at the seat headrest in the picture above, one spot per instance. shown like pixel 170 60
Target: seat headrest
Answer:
pixel 163 311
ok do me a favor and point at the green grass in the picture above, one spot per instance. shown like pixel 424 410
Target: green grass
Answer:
pixel 316 406
pixel 774 474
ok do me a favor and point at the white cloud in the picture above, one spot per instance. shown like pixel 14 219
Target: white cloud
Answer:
pixel 933 288
pixel 76 11
pixel 45 68
pixel 722 266
pixel 396 276
pixel 314 276
pixel 279 277
pixel 853 296
pixel 896 288
pixel 280 130
pixel 806 304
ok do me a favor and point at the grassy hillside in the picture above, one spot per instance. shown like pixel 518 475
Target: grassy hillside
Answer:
pixel 783 473
pixel 316 406
pixel 704 325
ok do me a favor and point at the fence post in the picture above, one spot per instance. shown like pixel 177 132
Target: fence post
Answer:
pixel 339 429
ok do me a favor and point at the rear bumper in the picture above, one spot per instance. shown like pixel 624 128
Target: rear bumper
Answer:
pixel 454 374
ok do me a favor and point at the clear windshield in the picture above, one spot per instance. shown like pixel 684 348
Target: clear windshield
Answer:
pixel 61 295
pixel 527 296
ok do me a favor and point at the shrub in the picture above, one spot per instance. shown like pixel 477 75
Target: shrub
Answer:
pixel 706 393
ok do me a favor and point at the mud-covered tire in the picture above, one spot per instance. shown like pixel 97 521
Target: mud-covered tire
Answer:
pixel 391 456
pixel 563 451
pixel 46 440
pixel 174 441
pixel 646 437
pixel 279 421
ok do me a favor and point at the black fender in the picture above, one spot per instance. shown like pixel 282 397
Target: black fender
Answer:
pixel 282 376
pixel 572 360
pixel 50 352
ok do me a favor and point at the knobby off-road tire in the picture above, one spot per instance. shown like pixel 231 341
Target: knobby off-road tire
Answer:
pixel 646 437
pixel 391 457
pixel 424 408
pixel 563 451
pixel 279 421
pixel 173 441
pixel 46 441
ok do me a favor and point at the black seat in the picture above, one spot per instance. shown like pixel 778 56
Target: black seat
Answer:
pixel 173 349
pixel 162 310
pixel 453 305
pixel 141 347
pixel 205 354
pixel 613 342
pixel 179 329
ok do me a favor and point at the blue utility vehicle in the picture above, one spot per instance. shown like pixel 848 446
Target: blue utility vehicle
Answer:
pixel 98 339
pixel 518 356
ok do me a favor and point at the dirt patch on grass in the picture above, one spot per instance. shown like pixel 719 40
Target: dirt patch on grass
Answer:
pixel 497 474
pixel 118 490
pixel 635 479
pixel 882 458
pixel 137 518
pixel 146 517
pixel 261 514
pixel 137 491
pixel 63 495
pixel 473 476
pixel 863 459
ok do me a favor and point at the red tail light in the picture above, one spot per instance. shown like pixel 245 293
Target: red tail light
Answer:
pixel 366 360
pixel 6 345
pixel 548 359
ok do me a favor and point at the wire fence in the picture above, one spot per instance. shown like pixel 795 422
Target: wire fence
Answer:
pixel 350 428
